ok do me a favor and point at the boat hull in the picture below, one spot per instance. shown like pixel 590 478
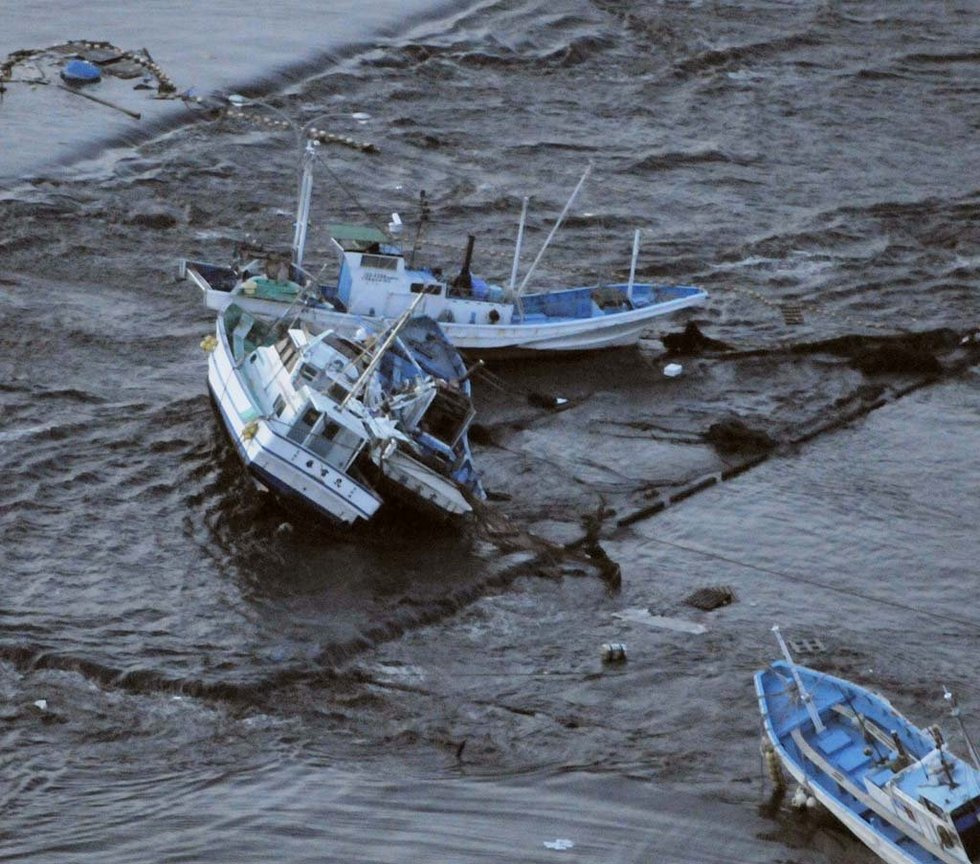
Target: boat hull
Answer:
pixel 561 335
pixel 276 462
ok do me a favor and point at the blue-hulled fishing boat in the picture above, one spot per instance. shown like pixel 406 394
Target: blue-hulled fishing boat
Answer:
pixel 895 786
pixel 378 280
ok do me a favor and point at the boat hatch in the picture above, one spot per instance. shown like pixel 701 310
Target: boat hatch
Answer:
pixel 448 415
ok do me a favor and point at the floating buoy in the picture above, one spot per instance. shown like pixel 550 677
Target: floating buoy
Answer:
pixel 613 652
pixel 81 72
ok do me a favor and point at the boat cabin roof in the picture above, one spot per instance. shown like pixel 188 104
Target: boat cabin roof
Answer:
pixel 927 780
pixel 357 238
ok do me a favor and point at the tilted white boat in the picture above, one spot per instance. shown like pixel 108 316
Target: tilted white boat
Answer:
pixel 896 787
pixel 378 281
pixel 337 422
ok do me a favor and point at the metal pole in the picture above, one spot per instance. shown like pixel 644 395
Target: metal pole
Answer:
pixel 379 352
pixel 303 205
pixel 520 240
pixel 561 218
pixel 804 693
pixel 636 252
pixel 954 710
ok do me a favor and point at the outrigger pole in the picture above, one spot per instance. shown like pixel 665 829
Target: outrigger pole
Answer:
pixel 636 253
pixel 804 693
pixel 520 241
pixel 554 230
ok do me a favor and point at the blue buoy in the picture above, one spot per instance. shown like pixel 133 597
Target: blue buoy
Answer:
pixel 81 72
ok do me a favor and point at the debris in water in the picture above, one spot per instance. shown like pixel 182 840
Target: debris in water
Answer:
pixel 672 370
pixel 691 341
pixel 644 616
pixel 806 646
pixel 714 597
pixel 41 704
pixel 613 652
pixel 792 314
pixel 547 400
pixel 560 844
pixel 734 436
pixel 896 359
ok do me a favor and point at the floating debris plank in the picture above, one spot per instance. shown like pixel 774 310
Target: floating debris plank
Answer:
pixel 792 314
pixel 644 616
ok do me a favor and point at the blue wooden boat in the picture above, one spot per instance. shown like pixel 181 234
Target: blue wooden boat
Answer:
pixel 895 786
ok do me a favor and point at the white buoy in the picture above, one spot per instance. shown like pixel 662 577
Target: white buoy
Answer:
pixel 672 370
pixel 41 704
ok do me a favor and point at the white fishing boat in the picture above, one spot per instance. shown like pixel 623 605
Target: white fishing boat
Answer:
pixel 378 280
pixel 896 787
pixel 339 422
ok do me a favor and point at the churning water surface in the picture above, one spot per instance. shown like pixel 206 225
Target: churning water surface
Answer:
pixel 221 681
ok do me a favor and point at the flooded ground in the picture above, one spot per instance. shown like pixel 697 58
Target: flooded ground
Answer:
pixel 221 680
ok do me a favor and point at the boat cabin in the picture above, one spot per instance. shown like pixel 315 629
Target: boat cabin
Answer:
pixel 375 280
pixel 938 796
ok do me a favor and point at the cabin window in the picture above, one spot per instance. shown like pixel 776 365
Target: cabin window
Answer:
pixel 278 406
pixel 307 372
pixel 422 288
pixel 304 425
pixel 379 262
pixel 337 392
pixel 336 445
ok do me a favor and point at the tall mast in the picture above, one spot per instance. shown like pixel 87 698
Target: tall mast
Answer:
pixel 804 693
pixel 303 205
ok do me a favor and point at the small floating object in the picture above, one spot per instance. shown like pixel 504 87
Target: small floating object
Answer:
pixel 672 370
pixel 81 72
pixel 41 704
pixel 613 652
pixel 560 844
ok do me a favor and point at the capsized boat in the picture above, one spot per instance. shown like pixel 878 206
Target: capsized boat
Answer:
pixel 378 280
pixel 895 786
pixel 337 422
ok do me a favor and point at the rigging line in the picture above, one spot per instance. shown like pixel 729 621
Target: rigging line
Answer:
pixel 354 199
pixel 949 619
